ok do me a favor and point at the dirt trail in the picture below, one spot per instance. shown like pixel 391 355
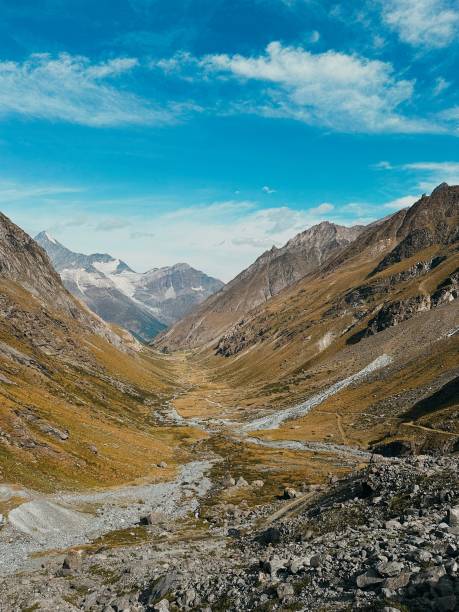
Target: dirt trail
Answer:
pixel 430 429
pixel 290 508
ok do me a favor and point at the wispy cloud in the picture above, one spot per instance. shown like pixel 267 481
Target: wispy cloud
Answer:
pixel 335 90
pixel 433 173
pixel 431 23
pixel 268 190
pixel 74 89
pixel 14 192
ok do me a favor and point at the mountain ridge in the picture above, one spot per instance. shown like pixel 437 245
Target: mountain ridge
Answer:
pixel 143 303
pixel 270 273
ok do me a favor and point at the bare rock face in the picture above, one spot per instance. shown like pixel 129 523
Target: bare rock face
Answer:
pixel 266 277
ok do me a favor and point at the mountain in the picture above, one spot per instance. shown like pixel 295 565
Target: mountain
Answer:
pixel 77 396
pixel 145 303
pixel 388 302
pixel 272 272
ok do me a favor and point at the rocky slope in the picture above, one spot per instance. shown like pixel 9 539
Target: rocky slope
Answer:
pixel 144 304
pixel 267 276
pixel 385 538
pixel 75 393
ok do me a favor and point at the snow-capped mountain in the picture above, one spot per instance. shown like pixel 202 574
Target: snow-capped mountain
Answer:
pixel 143 303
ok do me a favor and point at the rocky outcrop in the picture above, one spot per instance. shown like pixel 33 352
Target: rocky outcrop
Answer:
pixel 383 538
pixel 432 220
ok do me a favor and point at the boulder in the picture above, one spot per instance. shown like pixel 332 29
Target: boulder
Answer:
pixel 389 568
pixel 289 493
pixel 72 562
pixel 159 589
pixel 152 518
pixel 369 578
pixel 397 582
pixel 271 535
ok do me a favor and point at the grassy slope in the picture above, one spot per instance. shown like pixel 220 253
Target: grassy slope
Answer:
pixel 102 396
pixel 292 360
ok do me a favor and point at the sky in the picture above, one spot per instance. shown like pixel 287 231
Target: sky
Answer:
pixel 207 131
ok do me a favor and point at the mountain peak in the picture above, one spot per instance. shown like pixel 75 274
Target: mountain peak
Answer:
pixel 42 236
pixel 440 187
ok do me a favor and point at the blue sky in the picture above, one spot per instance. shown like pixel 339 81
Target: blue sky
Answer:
pixel 208 130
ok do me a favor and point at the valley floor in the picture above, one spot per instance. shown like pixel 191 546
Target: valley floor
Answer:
pixel 128 547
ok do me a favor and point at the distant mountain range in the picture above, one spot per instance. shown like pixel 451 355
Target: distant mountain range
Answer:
pixel 143 303
pixel 272 272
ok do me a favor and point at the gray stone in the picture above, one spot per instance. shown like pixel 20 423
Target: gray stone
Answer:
pixel 389 568
pixel 369 578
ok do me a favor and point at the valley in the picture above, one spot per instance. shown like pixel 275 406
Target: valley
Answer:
pixel 155 477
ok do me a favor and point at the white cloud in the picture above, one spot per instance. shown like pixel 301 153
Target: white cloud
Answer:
pixel 72 89
pixel 268 190
pixel 431 23
pixel 323 208
pixel 440 85
pixel 403 202
pixel 335 90
pixel 383 165
pixel 434 173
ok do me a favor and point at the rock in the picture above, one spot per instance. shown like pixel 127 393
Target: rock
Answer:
pixel 152 518
pixel 369 578
pixel 295 566
pixel 228 481
pixel 72 562
pixel 397 582
pixel 392 525
pixel 285 590
pixel 271 535
pixel 453 519
pixel 162 587
pixel 93 448
pixel 289 493
pixel 161 606
pixel 241 482
pixel 234 533
pixel 315 561
pixel 162 465
pixel 389 568
pixel 274 565
pixel 258 484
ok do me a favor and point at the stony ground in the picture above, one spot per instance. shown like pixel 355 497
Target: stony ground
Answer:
pixel 385 538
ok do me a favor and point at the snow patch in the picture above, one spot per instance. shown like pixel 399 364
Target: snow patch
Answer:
pixel 170 293
pixel 106 267
pixel 50 238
